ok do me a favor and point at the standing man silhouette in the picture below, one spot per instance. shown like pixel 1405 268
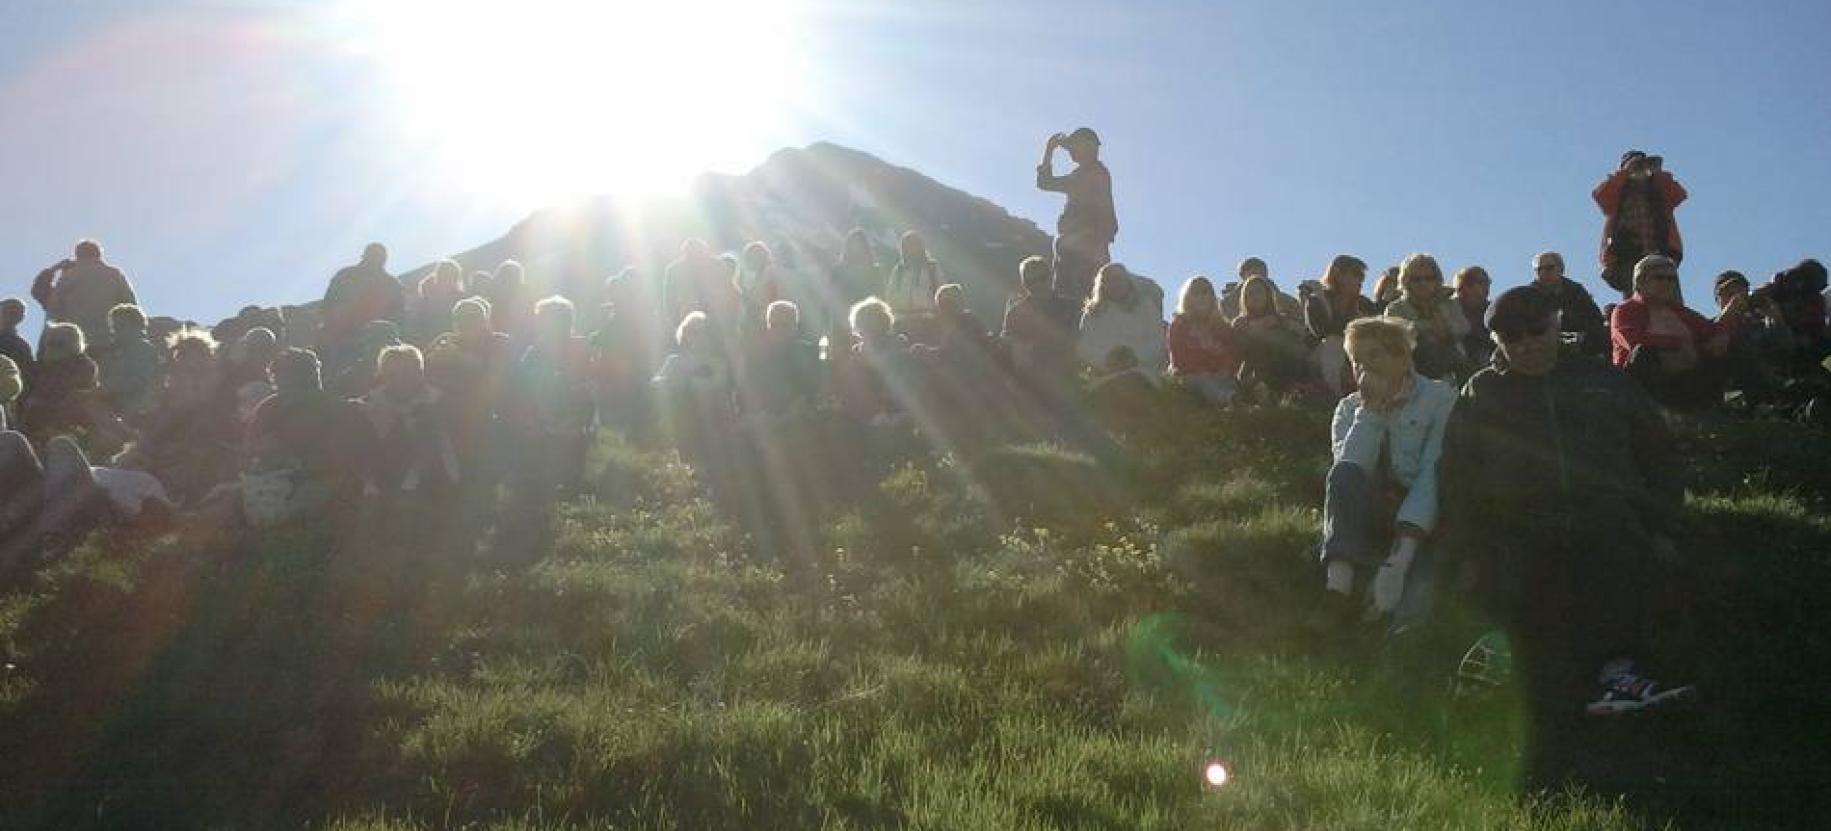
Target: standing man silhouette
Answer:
pixel 1084 233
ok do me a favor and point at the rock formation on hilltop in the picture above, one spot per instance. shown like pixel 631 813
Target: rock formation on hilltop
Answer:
pixel 800 201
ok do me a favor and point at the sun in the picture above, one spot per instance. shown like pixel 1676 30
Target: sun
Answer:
pixel 537 100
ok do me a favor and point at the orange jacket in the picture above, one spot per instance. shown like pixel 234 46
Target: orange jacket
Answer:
pixel 1608 198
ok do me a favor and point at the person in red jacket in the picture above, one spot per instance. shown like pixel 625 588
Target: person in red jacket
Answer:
pixel 1674 352
pixel 1637 202
pixel 1203 351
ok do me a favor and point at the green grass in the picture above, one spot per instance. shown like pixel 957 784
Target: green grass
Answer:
pixel 1023 641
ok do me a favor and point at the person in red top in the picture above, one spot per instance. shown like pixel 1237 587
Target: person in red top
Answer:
pixel 1674 352
pixel 1637 202
pixel 1203 352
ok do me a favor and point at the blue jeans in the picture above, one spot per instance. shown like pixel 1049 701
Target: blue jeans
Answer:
pixel 1357 527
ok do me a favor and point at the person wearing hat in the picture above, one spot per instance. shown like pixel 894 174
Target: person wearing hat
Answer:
pixel 1562 486
pixel 1085 231
pixel 1760 346
pixel 1674 352
pixel 1637 202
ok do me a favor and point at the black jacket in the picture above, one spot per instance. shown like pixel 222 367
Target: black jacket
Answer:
pixel 1578 459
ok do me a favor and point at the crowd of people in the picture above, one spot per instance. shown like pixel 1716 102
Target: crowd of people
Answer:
pixel 1508 432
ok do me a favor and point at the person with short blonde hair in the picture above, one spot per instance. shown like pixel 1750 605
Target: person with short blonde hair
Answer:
pixel 1122 325
pixel 1380 509
pixel 1440 326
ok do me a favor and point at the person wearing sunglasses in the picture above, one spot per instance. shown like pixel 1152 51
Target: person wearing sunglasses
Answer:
pixel 1675 353
pixel 1562 488
pixel 1579 318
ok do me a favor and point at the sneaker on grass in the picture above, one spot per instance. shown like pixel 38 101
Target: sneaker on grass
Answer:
pixel 1626 692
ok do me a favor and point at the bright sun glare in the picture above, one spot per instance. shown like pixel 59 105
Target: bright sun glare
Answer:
pixel 533 100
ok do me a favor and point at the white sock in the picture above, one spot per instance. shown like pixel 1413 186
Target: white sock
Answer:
pixel 1402 552
pixel 1339 577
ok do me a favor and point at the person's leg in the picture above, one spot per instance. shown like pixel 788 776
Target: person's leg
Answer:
pixel 1347 524
pixel 1418 599
pixel 1076 262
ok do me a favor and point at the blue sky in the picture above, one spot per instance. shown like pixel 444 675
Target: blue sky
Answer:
pixel 232 152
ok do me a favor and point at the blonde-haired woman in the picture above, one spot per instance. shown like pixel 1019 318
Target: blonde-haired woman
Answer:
pixel 1434 314
pixel 1381 505
pixel 1122 325
pixel 1203 354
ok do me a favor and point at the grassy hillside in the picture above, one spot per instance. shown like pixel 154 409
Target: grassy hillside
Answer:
pixel 1020 642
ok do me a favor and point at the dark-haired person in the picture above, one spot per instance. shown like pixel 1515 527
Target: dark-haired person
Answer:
pixel 511 306
pixel 1328 312
pixel 470 367
pixel 1637 202
pixel 1472 285
pixel 434 296
pixel 12 345
pixel 1039 328
pixel 1761 348
pixel 854 277
pixel 1381 507
pixel 83 290
pixel 550 413
pixel 1580 319
pixel 1204 355
pixel 1436 318
pixel 1674 352
pixel 307 451
pixel 356 295
pixel 1799 292
pixel 781 372
pixel 1085 231
pixel 1560 481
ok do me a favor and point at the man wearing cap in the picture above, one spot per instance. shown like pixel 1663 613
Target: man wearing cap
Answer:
pixel 1084 233
pixel 1675 353
pixel 1637 202
pixel 1578 316
pixel 83 290
pixel 1561 484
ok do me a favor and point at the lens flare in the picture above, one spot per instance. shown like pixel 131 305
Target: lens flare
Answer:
pixel 1215 774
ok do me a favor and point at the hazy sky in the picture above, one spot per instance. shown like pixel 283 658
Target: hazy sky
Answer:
pixel 234 152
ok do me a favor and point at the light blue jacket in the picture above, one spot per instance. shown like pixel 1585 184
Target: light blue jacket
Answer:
pixel 1413 435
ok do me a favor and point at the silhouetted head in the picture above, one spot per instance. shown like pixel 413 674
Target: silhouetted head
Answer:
pixel 872 319
pixel 1258 297
pixel 757 256
pixel 950 299
pixel 295 371
pixel 12 312
pixel 88 250
pixel 783 317
pixel 1524 324
pixel 375 255
pixel 858 248
pixel 1035 275
pixel 470 317
pixel 1420 278
pixel 1252 267
pixel 127 321
pixel 554 318
pixel 1083 145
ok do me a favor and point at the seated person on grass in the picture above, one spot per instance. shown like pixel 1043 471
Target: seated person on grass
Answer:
pixel 1674 353
pixel 1380 510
